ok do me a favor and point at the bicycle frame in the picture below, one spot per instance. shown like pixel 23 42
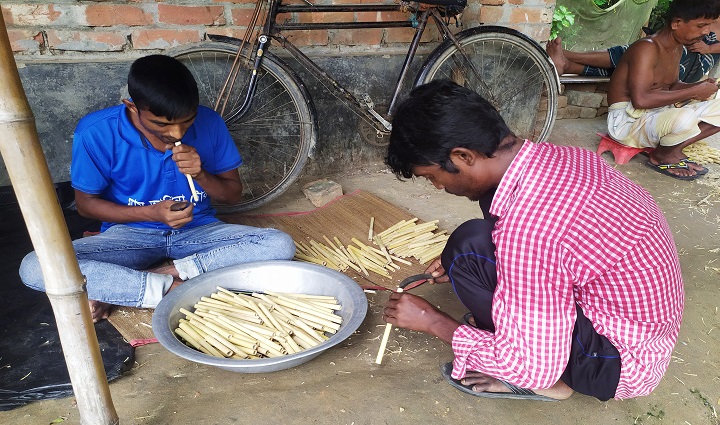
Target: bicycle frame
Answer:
pixel 272 30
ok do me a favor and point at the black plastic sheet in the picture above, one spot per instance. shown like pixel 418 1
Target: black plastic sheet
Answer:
pixel 32 366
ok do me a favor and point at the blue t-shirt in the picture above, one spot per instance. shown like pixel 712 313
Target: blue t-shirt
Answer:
pixel 111 158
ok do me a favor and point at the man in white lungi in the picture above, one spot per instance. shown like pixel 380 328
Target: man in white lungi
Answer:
pixel 650 107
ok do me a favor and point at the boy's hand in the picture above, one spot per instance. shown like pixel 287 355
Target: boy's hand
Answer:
pixel 168 212
pixel 187 160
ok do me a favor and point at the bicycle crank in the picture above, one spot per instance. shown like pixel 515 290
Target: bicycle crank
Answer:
pixel 371 135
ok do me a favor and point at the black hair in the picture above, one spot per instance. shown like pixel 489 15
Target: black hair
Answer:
pixel 438 117
pixel 164 86
pixel 689 10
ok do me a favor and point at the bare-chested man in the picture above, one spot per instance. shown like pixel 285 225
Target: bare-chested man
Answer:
pixel 697 59
pixel 650 107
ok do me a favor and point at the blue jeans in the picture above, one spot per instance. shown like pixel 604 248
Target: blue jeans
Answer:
pixel 113 261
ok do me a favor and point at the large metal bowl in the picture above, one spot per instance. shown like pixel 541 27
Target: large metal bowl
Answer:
pixel 278 276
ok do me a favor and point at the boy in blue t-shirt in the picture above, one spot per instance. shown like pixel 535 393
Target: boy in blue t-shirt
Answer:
pixel 153 193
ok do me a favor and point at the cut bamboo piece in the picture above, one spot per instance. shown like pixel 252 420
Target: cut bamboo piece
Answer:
pixel 212 338
pixel 208 349
pixel 309 259
pixel 383 342
pixel 370 232
pixel 397 226
pixel 304 305
pixel 194 343
pixel 241 326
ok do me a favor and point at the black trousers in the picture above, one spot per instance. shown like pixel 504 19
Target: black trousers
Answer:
pixel 469 260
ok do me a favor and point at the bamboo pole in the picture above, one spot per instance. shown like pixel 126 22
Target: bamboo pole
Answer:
pixel 64 284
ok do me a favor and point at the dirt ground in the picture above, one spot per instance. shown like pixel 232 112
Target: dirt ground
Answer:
pixel 345 386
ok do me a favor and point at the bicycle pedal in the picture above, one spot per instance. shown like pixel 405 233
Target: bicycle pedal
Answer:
pixel 365 98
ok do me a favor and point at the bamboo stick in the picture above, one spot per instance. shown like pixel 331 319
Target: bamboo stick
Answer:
pixel 397 226
pixel 192 341
pixel 309 259
pixel 304 305
pixel 200 339
pixel 212 338
pixel 64 284
pixel 383 342
pixel 370 232
pixel 307 296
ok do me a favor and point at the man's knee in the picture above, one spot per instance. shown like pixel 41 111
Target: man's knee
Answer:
pixel 282 244
pixel 472 236
pixel 30 272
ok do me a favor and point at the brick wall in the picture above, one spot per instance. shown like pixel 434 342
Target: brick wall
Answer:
pixel 72 29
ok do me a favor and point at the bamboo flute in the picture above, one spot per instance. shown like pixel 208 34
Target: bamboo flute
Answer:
pixel 64 284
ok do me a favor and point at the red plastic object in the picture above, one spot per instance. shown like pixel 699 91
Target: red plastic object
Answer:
pixel 621 153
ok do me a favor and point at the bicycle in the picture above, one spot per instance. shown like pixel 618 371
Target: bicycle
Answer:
pixel 271 115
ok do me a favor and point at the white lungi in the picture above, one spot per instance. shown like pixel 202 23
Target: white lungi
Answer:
pixel 666 126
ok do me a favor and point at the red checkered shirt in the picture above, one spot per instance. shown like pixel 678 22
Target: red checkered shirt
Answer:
pixel 573 230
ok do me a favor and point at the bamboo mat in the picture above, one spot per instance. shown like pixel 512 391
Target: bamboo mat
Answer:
pixel 134 324
pixel 346 217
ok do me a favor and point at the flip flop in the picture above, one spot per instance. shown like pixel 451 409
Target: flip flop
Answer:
pixel 663 169
pixel 517 392
pixel 702 171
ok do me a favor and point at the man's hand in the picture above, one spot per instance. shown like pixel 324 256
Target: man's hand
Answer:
pixel 701 47
pixel 415 313
pixel 187 160
pixel 438 271
pixel 707 89
pixel 166 213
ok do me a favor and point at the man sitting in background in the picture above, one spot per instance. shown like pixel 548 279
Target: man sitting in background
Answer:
pixel 696 61
pixel 650 107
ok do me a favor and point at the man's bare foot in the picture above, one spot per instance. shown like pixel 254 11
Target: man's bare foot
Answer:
pixel 176 282
pixel 168 268
pixel 99 310
pixel 555 50
pixel 699 169
pixel 481 382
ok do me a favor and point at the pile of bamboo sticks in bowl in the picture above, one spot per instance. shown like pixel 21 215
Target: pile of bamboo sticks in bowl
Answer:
pixel 258 325
pixel 404 239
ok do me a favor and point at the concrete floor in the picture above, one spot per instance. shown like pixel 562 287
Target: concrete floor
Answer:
pixel 345 386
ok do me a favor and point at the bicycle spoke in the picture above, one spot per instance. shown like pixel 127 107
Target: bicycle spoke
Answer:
pixel 513 73
pixel 276 131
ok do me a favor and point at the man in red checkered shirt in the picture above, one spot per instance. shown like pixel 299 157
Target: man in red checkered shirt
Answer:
pixel 572 279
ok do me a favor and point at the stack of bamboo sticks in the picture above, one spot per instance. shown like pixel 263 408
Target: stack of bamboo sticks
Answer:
pixel 257 325
pixel 702 153
pixel 404 239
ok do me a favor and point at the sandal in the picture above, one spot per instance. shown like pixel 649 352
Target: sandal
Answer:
pixel 516 392
pixel 699 171
pixel 663 169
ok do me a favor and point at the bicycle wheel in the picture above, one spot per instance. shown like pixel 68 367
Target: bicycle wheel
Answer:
pixel 513 72
pixel 275 136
